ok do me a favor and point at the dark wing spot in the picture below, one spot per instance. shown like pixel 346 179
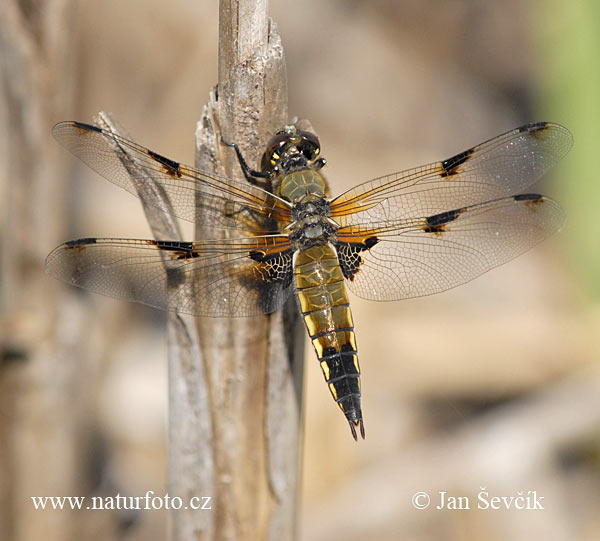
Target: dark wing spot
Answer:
pixel 436 229
pixel 185 255
pixel 269 268
pixel 171 167
pixel 443 217
pixel 528 197
pixel 532 200
pixel 173 245
pixel 87 127
pixel 536 129
pixel 257 256
pixel 79 244
pixel 437 222
pixel 370 242
pixel 180 250
pixel 349 258
pixel 278 268
pixel 271 275
pixel 532 127
pixel 451 165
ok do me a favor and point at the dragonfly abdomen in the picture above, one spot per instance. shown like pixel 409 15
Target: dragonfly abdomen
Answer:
pixel 326 311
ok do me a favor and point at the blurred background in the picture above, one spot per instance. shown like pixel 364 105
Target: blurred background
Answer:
pixel 494 385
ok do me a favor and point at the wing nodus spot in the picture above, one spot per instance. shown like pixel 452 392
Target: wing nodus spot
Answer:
pixel 171 245
pixel 181 250
pixel 450 166
pixel 170 167
pixel 437 222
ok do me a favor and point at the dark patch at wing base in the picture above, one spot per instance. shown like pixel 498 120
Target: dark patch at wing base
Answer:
pixel 257 256
pixel 349 258
pixel 270 276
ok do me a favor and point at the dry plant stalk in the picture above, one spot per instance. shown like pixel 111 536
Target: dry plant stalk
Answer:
pixel 189 419
pixel 235 394
pixel 43 384
pixel 253 365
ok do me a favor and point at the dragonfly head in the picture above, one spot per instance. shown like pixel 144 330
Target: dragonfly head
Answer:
pixel 290 149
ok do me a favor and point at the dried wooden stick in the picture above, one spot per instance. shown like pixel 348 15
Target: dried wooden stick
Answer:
pixel 254 365
pixel 189 419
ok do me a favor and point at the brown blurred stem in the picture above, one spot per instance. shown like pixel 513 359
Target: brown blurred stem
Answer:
pixel 42 337
pixel 253 365
pixel 235 394
pixel 189 420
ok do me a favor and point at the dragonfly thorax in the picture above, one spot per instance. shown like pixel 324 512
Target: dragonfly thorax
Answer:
pixel 300 186
pixel 312 224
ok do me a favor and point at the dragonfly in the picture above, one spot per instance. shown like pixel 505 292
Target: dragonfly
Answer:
pixel 409 234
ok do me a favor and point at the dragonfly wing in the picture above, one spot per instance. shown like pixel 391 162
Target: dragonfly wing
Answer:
pixel 500 167
pixel 225 278
pixel 194 195
pixel 423 256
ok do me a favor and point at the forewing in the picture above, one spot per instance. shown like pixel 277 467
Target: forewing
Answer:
pixel 225 278
pixel 195 195
pixel 435 253
pixel 502 166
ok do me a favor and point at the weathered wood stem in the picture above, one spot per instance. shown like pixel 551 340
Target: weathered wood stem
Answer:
pixel 250 433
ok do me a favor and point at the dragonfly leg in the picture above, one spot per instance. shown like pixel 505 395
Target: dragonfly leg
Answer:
pixel 251 175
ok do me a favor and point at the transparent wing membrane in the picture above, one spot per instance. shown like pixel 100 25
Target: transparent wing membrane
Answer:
pixel 241 277
pixel 423 256
pixel 409 234
pixel 502 166
pixel 195 195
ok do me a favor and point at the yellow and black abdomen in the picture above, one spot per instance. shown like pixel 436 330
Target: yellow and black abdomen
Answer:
pixel 326 311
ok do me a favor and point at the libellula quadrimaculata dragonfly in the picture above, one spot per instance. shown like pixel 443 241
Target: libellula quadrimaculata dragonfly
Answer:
pixel 408 234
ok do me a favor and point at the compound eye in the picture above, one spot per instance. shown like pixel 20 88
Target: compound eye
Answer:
pixel 309 145
pixel 310 151
pixel 272 154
